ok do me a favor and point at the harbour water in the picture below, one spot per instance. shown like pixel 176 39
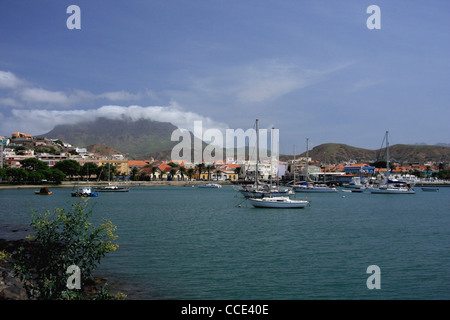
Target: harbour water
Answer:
pixel 193 243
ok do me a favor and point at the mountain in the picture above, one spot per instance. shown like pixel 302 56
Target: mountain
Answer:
pixel 139 139
pixel 143 139
pixel 402 153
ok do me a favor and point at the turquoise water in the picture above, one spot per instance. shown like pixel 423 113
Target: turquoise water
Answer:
pixel 190 243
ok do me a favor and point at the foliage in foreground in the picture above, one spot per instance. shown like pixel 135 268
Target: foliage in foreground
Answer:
pixel 61 239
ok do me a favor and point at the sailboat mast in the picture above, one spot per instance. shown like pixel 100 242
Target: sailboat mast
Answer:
pixel 387 157
pixel 307 159
pixel 293 164
pixel 271 157
pixel 257 154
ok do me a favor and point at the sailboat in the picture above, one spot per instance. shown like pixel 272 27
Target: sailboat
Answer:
pixel 392 187
pixel 111 187
pixel 259 190
pixel 309 186
pixel 278 201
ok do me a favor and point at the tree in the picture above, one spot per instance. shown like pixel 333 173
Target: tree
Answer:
pixel 190 173
pixel 106 172
pixel 173 164
pixel 210 167
pixel 70 168
pixel 88 169
pixel 200 167
pixel 173 172
pixel 62 239
pixel 33 164
pixel 56 175
pixel 17 175
pixel 182 172
pixel 134 172
pixel 218 173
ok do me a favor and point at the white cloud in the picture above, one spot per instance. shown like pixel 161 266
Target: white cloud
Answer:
pixel 10 102
pixel 19 92
pixel 120 96
pixel 40 121
pixel 38 95
pixel 254 83
pixel 9 80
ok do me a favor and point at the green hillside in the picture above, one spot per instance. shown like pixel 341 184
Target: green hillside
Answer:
pixel 139 139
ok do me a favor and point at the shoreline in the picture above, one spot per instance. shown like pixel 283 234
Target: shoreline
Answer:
pixel 70 184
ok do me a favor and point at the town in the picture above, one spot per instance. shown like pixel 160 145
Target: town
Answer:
pixel 36 160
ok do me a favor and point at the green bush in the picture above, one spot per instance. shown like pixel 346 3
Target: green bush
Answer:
pixel 61 239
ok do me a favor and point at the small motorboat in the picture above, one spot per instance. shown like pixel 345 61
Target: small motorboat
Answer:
pixel 44 191
pixel 84 192
pixel 210 185
pixel 430 189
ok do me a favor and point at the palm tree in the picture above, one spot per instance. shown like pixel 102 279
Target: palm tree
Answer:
pixel 173 172
pixel 218 172
pixel 190 173
pixel 238 170
pixel 209 167
pixel 182 172
pixel 200 167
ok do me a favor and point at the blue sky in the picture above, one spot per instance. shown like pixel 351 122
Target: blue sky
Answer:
pixel 310 68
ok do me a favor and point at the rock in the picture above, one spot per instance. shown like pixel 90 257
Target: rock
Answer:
pixel 11 288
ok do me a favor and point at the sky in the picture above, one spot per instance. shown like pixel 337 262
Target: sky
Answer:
pixel 310 68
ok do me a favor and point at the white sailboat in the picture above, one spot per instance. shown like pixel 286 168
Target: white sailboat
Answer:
pixel 258 190
pixel 278 201
pixel 111 187
pixel 392 187
pixel 309 186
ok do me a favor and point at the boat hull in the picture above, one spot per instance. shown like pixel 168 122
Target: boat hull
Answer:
pixel 392 191
pixel 278 202
pixel 430 189
pixel 107 189
pixel 78 194
pixel 316 190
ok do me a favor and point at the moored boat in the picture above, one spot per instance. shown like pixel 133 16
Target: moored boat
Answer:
pixel 319 188
pixel 392 187
pixel 430 189
pixel 210 185
pixel 43 191
pixel 278 202
pixel 111 188
pixel 84 192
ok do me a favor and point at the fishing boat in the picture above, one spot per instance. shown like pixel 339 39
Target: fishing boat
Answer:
pixel 390 186
pixel 84 192
pixel 43 191
pixel 210 185
pixel 278 202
